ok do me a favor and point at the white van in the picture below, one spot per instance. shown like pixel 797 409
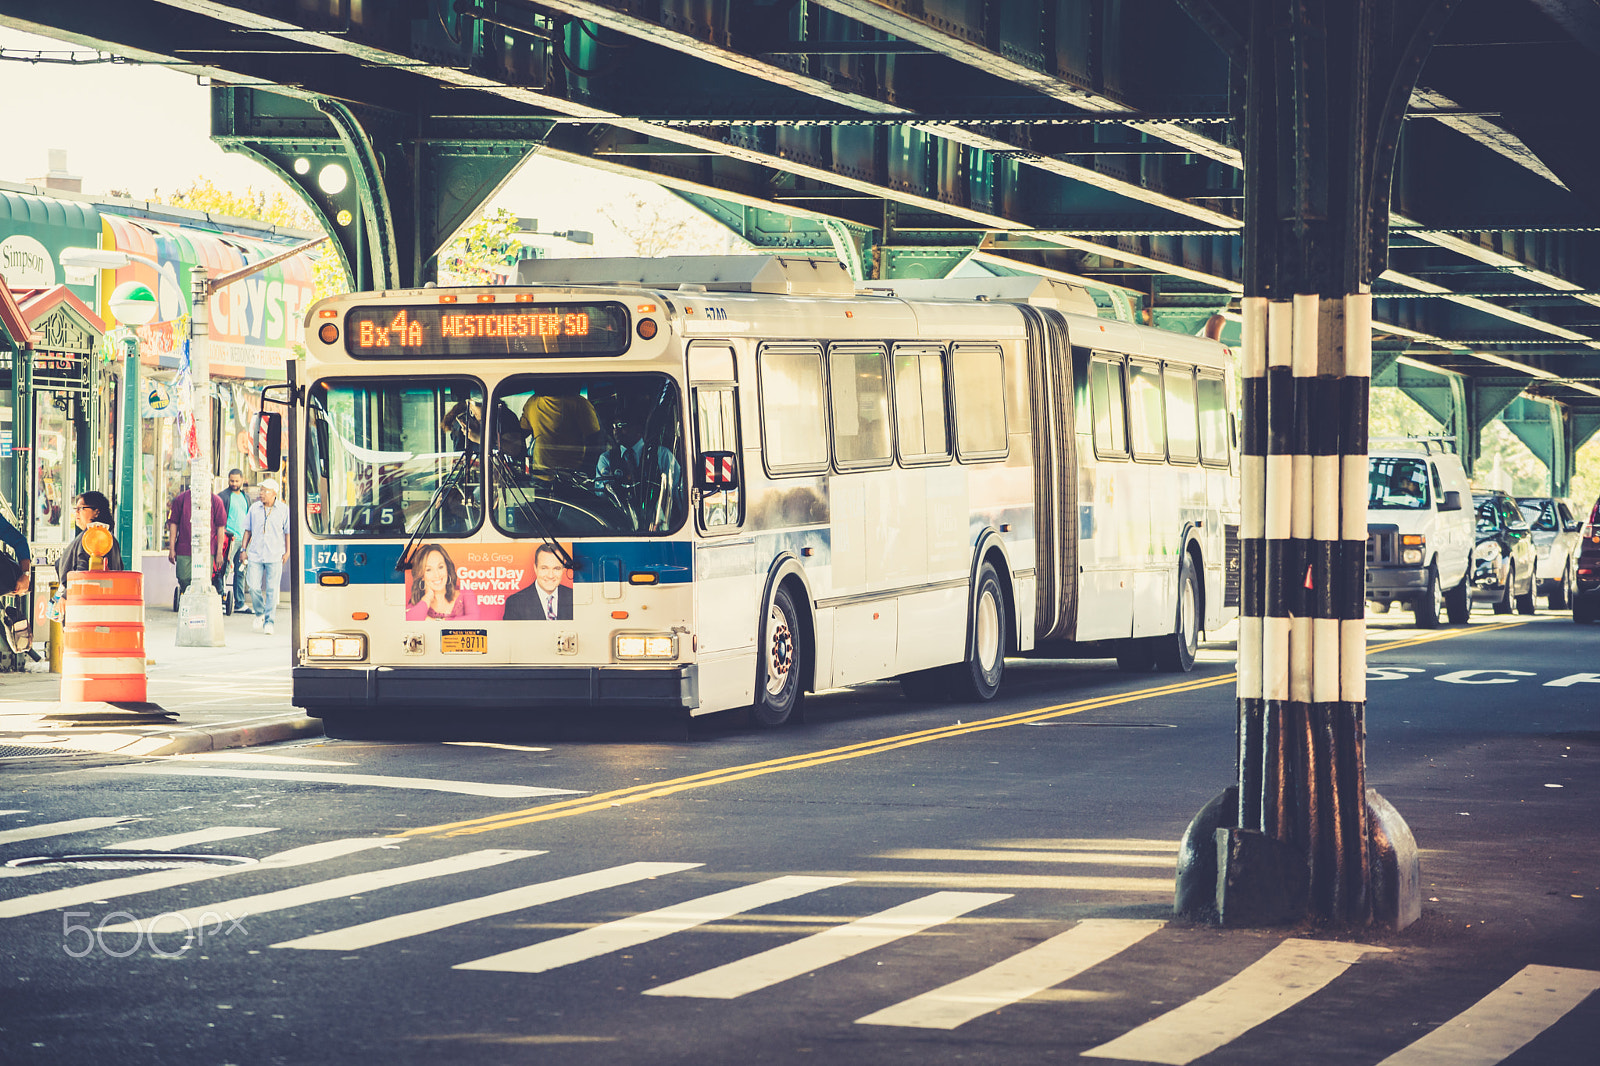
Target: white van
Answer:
pixel 1419 529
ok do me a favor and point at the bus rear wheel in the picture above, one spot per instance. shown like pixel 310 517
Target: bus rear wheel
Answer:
pixel 1175 651
pixel 778 688
pixel 979 677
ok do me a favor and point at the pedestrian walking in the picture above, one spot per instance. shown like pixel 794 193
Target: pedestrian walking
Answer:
pixel 266 549
pixel 236 499
pixel 180 532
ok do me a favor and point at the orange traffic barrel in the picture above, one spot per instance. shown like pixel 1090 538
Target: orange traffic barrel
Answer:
pixel 103 658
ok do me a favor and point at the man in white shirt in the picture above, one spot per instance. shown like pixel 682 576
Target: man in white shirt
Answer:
pixel 266 551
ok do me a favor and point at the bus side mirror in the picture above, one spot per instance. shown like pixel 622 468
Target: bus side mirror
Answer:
pixel 267 433
pixel 1451 501
pixel 718 471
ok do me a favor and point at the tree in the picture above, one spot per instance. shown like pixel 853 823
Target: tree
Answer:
pixel 484 252
pixel 669 227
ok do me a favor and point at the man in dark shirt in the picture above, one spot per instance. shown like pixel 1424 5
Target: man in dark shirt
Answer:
pixel 180 533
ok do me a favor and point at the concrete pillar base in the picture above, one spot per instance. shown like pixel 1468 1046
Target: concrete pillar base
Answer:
pixel 1241 878
pixel 200 618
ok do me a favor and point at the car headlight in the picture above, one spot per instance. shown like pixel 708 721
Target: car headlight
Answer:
pixel 1411 556
pixel 645 645
pixel 336 646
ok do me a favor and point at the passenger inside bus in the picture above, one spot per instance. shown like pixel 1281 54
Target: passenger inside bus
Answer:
pixel 641 474
pixel 564 429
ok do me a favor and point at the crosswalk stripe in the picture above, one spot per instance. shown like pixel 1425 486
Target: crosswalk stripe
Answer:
pixel 832 945
pixel 114 887
pixel 246 906
pixel 187 840
pixel 1503 1021
pixel 652 925
pixel 1027 973
pixel 51 829
pixel 1266 988
pixel 465 788
pixel 432 919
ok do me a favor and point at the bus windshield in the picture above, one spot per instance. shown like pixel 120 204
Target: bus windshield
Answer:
pixel 600 455
pixel 387 457
pixel 1395 484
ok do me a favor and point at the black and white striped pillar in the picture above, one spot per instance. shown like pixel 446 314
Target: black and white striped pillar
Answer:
pixel 1302 639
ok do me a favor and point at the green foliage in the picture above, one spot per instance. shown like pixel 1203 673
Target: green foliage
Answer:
pixel 485 252
pixel 656 228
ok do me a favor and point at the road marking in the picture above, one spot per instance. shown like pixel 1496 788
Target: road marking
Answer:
pixel 1025 974
pixel 488 744
pixel 194 918
pixel 825 948
pixel 651 925
pixel 12 812
pixel 1503 1021
pixel 50 829
pixel 1096 858
pixel 1260 992
pixel 114 887
pixel 185 840
pixel 465 788
pixel 622 797
pixel 432 919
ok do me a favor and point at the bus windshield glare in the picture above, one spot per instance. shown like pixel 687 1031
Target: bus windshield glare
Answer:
pixel 594 455
pixel 385 457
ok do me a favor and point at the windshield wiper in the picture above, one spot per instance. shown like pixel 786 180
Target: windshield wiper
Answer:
pixel 449 481
pixel 523 505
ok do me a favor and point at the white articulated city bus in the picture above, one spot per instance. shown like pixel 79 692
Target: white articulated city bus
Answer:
pixel 706 483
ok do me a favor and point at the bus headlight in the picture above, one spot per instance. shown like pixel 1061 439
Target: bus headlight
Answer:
pixel 336 646
pixel 645 645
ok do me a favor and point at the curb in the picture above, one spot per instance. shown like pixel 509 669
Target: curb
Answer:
pixel 180 741
pixel 238 735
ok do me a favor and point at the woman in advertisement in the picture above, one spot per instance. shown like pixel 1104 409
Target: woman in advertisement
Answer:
pixel 434 592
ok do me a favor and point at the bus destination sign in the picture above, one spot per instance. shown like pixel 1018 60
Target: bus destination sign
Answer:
pixel 480 329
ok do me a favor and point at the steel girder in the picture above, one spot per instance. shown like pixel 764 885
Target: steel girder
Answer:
pixel 392 189
pixel 1088 127
pixel 1541 426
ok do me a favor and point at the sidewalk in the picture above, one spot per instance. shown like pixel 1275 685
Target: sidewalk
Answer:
pixel 206 699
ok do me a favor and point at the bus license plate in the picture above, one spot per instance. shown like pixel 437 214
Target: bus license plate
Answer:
pixel 464 640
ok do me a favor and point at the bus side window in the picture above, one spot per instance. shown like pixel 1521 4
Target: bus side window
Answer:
pixel 922 431
pixel 1213 420
pixel 1144 410
pixel 716 427
pixel 860 387
pixel 1105 399
pixel 793 428
pixel 979 390
pixel 1183 433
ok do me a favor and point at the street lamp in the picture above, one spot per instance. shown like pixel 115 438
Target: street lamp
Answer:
pixel 200 609
pixel 134 304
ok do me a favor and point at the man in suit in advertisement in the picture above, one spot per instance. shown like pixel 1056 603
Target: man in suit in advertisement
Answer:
pixel 548 599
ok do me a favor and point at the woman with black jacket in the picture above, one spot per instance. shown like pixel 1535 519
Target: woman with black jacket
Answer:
pixel 88 508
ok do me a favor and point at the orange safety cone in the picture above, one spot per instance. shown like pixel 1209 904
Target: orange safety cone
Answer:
pixel 103 659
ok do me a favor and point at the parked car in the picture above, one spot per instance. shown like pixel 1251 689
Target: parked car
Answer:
pixel 1555 544
pixel 1419 531
pixel 1586 573
pixel 1504 566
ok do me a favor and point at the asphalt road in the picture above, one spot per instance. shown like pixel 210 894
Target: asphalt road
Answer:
pixel 888 882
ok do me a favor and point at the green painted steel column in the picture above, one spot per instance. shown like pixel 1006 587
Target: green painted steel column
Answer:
pixel 128 484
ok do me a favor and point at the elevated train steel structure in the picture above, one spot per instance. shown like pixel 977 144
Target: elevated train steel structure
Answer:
pixel 1095 138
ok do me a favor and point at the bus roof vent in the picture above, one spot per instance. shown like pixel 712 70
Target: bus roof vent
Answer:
pixel 1030 289
pixel 774 274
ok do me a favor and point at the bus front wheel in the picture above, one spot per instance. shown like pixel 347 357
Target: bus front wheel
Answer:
pixel 1175 651
pixel 778 688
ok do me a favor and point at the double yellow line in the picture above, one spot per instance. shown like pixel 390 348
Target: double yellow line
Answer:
pixel 623 797
pixel 639 793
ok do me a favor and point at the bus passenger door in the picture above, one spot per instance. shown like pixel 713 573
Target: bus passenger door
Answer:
pixel 727 589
